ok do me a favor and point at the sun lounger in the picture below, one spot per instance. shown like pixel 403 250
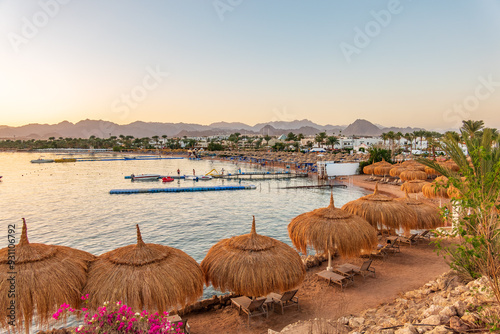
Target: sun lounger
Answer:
pixel 424 235
pixel 379 252
pixel 251 307
pixel 287 299
pixel 363 270
pixel 332 277
pixel 393 243
pixel 412 240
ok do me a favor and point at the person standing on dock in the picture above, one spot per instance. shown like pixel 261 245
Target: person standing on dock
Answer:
pixel 194 172
pixel 178 172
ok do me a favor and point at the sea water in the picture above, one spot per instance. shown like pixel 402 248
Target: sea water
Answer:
pixel 69 204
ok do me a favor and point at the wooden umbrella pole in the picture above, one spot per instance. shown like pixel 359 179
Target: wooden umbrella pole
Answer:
pixel 329 268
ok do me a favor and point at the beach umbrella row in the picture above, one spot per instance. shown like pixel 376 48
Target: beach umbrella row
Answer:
pixel 143 275
pixel 382 211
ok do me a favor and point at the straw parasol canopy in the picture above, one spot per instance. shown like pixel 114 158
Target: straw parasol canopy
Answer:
pixel 414 186
pixel 382 169
pixel 46 276
pixel 381 211
pixel 330 230
pixel 370 168
pixel 428 217
pixel 145 276
pixel 413 174
pixel 431 171
pixel 437 188
pixel 397 170
pixel 252 265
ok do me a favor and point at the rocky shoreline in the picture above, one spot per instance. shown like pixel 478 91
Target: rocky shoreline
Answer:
pixel 444 305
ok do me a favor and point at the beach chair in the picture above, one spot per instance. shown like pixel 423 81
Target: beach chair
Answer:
pixel 424 235
pixel 380 252
pixel 332 277
pixel 412 240
pixel 252 308
pixel 287 299
pixel 393 245
pixel 363 270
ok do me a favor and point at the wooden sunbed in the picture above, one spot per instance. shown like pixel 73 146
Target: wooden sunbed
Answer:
pixel 364 270
pixel 251 307
pixel 287 299
pixel 332 277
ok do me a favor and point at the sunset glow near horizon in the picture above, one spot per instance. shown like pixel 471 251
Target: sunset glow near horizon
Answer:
pixel 403 63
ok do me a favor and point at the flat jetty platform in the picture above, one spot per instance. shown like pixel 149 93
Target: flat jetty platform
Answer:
pixel 178 190
pixel 317 186
pixel 261 175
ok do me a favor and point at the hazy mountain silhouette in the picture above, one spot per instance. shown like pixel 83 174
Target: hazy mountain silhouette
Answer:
pixel 104 129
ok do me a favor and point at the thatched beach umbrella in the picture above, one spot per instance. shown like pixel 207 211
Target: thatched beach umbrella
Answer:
pixel 45 277
pixel 382 169
pixel 428 217
pixel 331 230
pixel 370 168
pixel 431 171
pixel 252 265
pixel 414 186
pixel 397 170
pixel 437 188
pixel 413 174
pixel 381 211
pixel 145 276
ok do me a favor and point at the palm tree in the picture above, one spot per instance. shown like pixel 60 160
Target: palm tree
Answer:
pixel 332 140
pixel 478 223
pixel 384 137
pixel 320 138
pixel 471 128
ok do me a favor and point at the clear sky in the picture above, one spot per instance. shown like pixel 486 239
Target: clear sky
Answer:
pixel 419 63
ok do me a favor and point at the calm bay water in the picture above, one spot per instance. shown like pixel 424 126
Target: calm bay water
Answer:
pixel 69 204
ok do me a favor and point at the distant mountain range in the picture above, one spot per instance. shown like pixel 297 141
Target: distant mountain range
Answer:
pixel 104 129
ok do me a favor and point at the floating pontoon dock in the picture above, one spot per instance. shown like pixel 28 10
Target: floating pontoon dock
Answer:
pixel 178 190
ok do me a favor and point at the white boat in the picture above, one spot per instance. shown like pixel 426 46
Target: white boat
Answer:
pixel 191 177
pixel 205 177
pixel 145 177
pixel 42 161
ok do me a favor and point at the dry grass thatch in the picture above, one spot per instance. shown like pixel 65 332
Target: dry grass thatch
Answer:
pixel 46 277
pixel 332 229
pixel 145 276
pixel 437 188
pixel 414 186
pixel 382 211
pixel 370 168
pixel 413 174
pixel 382 169
pixel 428 217
pixel 252 265
pixel 396 171
pixel 431 171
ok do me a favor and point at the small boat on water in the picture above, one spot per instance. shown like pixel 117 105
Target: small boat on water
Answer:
pixel 191 177
pixel 41 161
pixel 65 160
pixel 205 177
pixel 167 179
pixel 145 177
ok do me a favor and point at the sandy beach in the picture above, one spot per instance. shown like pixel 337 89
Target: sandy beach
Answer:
pixel 395 274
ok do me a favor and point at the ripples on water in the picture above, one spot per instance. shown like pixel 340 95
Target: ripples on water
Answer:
pixel 69 204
